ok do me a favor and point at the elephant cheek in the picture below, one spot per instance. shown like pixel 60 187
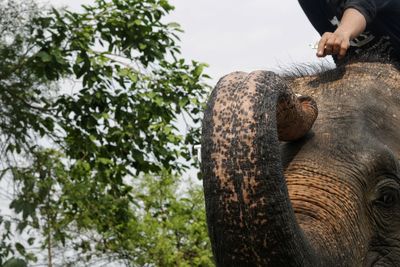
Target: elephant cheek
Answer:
pixel 386 258
pixel 329 212
pixel 371 259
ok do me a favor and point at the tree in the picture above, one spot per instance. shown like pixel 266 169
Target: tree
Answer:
pixel 172 225
pixel 118 126
pixel 153 225
pixel 24 96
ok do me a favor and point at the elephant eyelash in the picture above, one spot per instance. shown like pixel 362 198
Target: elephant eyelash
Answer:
pixel 388 179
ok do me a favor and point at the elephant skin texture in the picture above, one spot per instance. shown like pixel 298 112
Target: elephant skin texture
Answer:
pixel 284 187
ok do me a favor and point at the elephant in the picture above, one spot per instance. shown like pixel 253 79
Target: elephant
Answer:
pixel 303 170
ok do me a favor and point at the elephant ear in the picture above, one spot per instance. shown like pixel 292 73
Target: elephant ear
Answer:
pixel 249 214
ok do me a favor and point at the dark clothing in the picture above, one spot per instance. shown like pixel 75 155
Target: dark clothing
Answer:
pixel 382 16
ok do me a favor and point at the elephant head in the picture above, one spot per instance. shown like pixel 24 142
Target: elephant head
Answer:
pixel 281 190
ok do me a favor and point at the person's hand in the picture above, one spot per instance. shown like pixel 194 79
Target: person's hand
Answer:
pixel 334 43
pixel 353 23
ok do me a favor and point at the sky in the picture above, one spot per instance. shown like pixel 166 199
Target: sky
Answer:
pixel 237 35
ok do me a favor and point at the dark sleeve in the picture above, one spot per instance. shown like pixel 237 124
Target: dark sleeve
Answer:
pixel 369 8
pixel 318 13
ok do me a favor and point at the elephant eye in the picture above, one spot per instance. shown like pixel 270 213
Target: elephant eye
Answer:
pixel 388 197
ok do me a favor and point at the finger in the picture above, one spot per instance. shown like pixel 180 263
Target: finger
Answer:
pixel 329 46
pixel 322 44
pixel 343 49
pixel 337 44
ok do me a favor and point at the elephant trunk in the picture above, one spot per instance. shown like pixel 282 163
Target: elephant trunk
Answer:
pixel 249 214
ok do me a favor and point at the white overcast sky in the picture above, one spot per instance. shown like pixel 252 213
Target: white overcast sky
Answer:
pixel 232 35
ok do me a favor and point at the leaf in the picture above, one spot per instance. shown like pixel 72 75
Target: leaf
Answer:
pixel 22 225
pixel 174 25
pixel 15 263
pixel 7 225
pixel 104 161
pixel 31 240
pixel 142 46
pixel 199 70
pixel 20 248
pixel 44 56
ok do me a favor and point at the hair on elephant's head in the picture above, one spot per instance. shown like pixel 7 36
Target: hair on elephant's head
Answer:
pixel 285 188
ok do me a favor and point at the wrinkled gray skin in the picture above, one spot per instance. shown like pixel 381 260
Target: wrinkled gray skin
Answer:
pixel 329 198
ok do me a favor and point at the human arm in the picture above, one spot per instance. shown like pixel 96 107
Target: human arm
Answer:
pixel 353 23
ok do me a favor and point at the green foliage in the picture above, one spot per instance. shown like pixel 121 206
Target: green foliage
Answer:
pixel 117 127
pixel 15 263
pixel 5 248
pixel 134 86
pixel 60 207
pixel 154 224
pixel 172 226
pixel 23 94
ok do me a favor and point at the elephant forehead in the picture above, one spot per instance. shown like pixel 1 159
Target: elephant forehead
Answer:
pixel 355 149
pixel 353 120
pixel 361 132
